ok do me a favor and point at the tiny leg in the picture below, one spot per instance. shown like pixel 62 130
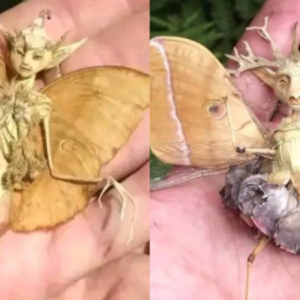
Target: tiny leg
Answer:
pixel 262 242
pixel 125 196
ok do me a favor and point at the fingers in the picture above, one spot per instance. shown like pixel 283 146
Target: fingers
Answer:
pixel 72 15
pixel 125 43
pixel 190 220
pixel 35 262
pixel 101 234
pixel 125 278
pixel 133 154
pixel 282 18
pixel 53 261
pixel 132 270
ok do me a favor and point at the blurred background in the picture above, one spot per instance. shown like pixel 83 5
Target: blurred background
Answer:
pixel 217 24
pixel 6 4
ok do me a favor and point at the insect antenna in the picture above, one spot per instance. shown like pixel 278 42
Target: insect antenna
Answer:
pixel 230 124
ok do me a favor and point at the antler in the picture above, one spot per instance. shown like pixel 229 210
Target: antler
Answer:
pixel 262 30
pixel 249 61
pixel 295 54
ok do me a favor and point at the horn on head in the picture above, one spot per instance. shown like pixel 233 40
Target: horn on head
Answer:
pixel 61 40
pixel 295 54
pixel 10 36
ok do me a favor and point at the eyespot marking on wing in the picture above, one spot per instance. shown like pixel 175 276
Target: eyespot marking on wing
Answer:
pixel 215 109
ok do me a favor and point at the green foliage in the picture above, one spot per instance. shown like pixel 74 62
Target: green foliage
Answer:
pixel 158 169
pixel 7 4
pixel 217 24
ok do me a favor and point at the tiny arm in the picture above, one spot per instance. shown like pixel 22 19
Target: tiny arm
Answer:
pixel 46 125
pixel 257 151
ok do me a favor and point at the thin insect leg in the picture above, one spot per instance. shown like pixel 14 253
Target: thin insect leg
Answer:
pixel 240 149
pixel 105 188
pixel 125 196
pixel 262 242
pixel 230 125
pixel 111 182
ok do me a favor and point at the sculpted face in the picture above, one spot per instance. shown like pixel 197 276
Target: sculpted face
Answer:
pixel 285 82
pixel 30 56
pixel 32 51
pixel 287 85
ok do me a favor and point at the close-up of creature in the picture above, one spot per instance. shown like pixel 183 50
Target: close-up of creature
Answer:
pixel 74 214
pixel 149 150
pixel 224 139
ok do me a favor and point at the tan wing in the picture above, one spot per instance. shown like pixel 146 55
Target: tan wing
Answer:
pixel 3 76
pixel 190 94
pixel 3 73
pixel 94 113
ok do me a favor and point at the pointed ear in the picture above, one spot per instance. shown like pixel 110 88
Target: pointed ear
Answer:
pixel 63 52
pixel 266 75
pixel 7 34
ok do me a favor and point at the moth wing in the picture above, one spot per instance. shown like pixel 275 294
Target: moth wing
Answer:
pixel 3 73
pixel 94 113
pixel 191 96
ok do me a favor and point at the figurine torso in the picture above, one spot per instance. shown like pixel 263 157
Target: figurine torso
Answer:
pixel 286 141
pixel 20 112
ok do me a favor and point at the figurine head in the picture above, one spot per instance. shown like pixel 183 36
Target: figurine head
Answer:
pixel 32 51
pixel 286 84
pixel 285 79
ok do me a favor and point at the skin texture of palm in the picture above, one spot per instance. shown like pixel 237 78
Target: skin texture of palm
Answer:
pixel 209 245
pixel 44 265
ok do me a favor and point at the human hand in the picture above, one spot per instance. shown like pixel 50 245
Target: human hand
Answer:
pixel 210 246
pixel 79 254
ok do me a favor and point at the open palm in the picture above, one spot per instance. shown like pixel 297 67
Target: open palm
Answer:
pixel 199 250
pixel 79 254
